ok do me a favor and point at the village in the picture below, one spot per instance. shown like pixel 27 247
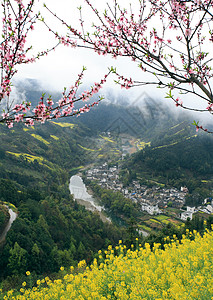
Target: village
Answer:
pixel 153 200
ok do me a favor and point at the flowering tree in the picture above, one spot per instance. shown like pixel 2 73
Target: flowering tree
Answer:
pixel 17 22
pixel 169 39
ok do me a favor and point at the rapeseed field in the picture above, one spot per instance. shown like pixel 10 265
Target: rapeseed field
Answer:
pixel 182 271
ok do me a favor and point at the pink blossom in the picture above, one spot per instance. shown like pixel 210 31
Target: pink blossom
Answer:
pixel 5 115
pixel 29 122
pixel 9 124
pixel 188 32
pixel 17 118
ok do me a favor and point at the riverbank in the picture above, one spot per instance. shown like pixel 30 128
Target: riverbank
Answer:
pixel 92 208
pixel 4 217
pixel 85 197
pixel 13 215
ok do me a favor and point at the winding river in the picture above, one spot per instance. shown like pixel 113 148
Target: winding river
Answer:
pixel 13 216
pixel 79 191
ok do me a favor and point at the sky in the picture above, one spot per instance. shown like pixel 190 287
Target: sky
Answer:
pixel 60 68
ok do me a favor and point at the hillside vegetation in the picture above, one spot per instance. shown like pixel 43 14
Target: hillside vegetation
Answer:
pixel 51 228
pixel 184 270
pixel 177 158
pixel 4 217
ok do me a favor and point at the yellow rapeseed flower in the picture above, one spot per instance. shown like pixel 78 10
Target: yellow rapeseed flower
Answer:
pixel 181 271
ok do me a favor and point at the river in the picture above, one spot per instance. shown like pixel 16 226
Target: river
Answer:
pixel 79 191
pixel 13 216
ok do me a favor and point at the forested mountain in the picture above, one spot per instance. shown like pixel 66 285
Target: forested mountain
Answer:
pixel 178 157
pixel 52 230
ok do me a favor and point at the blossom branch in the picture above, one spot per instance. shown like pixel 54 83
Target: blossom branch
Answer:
pixel 123 35
pixel 48 110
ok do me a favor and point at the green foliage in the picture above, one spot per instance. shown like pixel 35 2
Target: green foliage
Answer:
pixel 51 233
pixel 4 217
pixel 197 196
pixel 171 232
pixel 115 203
pixel 176 165
pixel 51 229
pixel 18 259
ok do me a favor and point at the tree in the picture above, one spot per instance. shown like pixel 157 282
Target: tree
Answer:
pixel 17 23
pixel 169 39
pixel 81 251
pixel 17 259
pixel 35 263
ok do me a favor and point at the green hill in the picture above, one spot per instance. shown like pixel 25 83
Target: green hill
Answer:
pixel 51 228
pixel 179 157
pixel 182 271
pixel 36 163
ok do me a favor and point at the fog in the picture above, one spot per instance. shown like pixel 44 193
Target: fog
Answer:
pixel 61 67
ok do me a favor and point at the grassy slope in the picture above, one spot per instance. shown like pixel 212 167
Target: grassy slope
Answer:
pixel 29 154
pixel 181 271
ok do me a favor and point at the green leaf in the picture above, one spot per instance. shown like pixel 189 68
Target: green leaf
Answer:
pixel 169 94
pixel 112 69
pixel 195 123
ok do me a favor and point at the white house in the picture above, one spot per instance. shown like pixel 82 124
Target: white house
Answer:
pixel 188 213
pixel 209 208
pixel 184 189
pixel 190 209
pixel 185 215
pixel 151 209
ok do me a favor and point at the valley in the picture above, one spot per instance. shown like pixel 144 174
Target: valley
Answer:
pixel 136 175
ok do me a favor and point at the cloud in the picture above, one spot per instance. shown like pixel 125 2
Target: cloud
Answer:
pixel 61 67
